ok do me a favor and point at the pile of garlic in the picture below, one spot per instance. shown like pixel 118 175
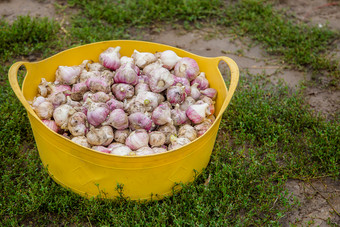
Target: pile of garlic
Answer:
pixel 129 106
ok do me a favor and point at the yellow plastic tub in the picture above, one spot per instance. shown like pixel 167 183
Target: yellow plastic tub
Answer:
pixel 90 173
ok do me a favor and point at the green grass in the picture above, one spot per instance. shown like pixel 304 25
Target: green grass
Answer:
pixel 269 134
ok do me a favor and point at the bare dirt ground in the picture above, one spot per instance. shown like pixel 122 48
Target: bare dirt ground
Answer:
pixel 319 198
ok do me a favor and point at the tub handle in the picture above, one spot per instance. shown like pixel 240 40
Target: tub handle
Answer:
pixel 13 80
pixel 234 77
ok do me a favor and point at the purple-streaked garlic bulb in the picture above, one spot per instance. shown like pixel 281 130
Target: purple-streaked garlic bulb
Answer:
pixel 127 74
pixel 169 58
pixel 131 106
pixel 57 99
pixel 85 75
pixel 96 84
pixel 77 124
pixel 137 139
pixel 110 58
pixel 156 138
pixel 143 59
pixel 81 140
pixel 100 97
pixel 78 90
pixel 162 114
pixel 210 92
pixel 150 100
pixel 37 101
pixel 208 100
pixel 102 136
pixel 61 115
pixel 178 116
pixel 119 149
pixel 117 119
pixel 121 135
pixel 187 131
pixel 141 87
pixel 95 67
pixel 125 60
pixel 187 102
pixel 114 104
pixel 197 112
pixel 144 151
pixel 159 150
pixel 178 142
pixel 52 125
pixel 168 129
pixel 181 81
pixel 195 92
pixel 147 69
pixel 140 120
pixel 97 112
pixel 43 87
pixel 67 74
pixel 201 80
pixel 123 91
pixel 203 127
pixel 176 94
pixel 188 68
pixel 102 149
pixel 160 79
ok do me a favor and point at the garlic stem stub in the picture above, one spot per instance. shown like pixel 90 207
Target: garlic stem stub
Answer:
pixel 143 104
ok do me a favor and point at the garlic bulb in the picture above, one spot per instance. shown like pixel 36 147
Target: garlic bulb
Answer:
pixel 96 112
pixel 143 59
pixel 195 93
pixel 126 60
pixel 127 74
pixel 123 91
pixel 147 69
pixel 77 124
pixel 141 87
pixel 162 114
pixel 144 151
pixel 178 116
pixel 52 125
pixel 187 131
pixel 181 81
pixel 121 135
pixel 117 119
pixel 187 67
pixel 188 101
pixel 110 58
pixel 43 87
pixel 176 94
pixel 169 130
pixel 169 59
pixel 102 149
pixel 140 120
pixel 61 115
pixel 210 92
pixel 95 67
pixel 102 136
pixel 160 79
pixel 81 140
pixel 197 112
pixel 67 74
pixel 159 150
pixel 100 97
pixel 178 142
pixel 114 104
pixel 148 99
pixel 137 139
pixel 85 75
pixel 78 90
pixel 203 127
pixel 96 84
pixel 121 150
pixel 202 81
pixel 156 138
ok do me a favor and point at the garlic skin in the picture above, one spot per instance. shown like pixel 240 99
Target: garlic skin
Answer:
pixel 176 94
pixel 187 131
pixel 210 92
pixel 123 91
pixel 156 138
pixel 195 93
pixel 202 81
pixel 178 142
pixel 178 116
pixel 188 101
pixel 121 135
pixel 137 139
pixel 117 119
pixel 162 114
pixel 140 120
pixel 197 113
pixel 169 59
pixel 52 125
pixel 102 136
pixel 110 58
pixel 187 67
pixel 143 59
pixel 143 151
pixel 96 84
pixel 77 124
pixel 203 127
pixel 102 149
pixel 67 74
pixel 81 140
pixel 168 130
pixel 127 74
pixel 61 115
pixel 114 104
pixel 160 79
pixel 96 112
